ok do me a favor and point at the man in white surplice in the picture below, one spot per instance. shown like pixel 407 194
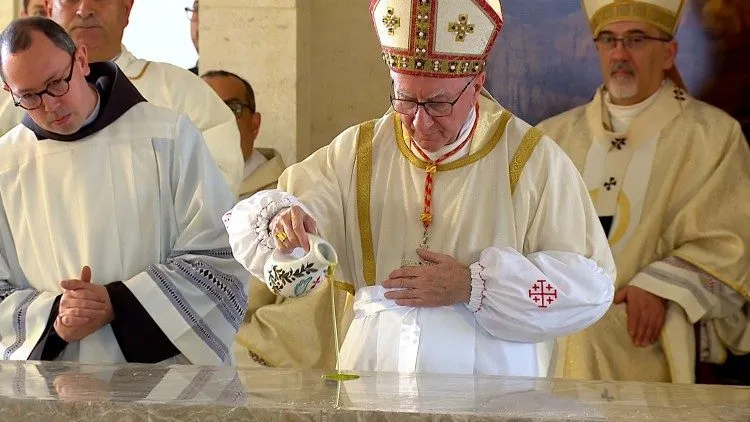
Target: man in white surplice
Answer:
pixel 99 25
pixel 96 181
pixel 448 178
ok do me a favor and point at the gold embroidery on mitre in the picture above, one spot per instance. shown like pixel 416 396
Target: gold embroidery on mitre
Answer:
pixel 450 67
pixel 391 21
pixel 425 55
pixel 461 28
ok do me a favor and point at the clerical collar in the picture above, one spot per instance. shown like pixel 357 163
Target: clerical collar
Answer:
pixel 95 112
pixel 117 95
pixel 622 116
pixel 256 160
pixel 462 135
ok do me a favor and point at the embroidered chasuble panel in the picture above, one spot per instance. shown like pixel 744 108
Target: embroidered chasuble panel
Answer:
pixel 618 166
pixel 454 177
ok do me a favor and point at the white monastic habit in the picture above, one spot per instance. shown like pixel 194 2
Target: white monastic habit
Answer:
pixel 165 85
pixel 136 196
pixel 510 205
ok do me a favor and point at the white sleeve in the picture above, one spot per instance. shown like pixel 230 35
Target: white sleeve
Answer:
pixel 314 182
pixel 562 280
pixel 698 293
pixel 10 115
pixel 192 96
pixel 248 227
pixel 197 294
pixel 24 311
pixel 538 297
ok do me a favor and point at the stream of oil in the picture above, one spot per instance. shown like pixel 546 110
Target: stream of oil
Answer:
pixel 337 375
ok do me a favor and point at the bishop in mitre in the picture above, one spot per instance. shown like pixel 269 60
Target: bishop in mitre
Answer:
pixel 670 178
pixel 468 239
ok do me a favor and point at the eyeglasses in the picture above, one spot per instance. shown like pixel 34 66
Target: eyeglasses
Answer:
pixel 237 107
pixel 636 41
pixel 433 108
pixel 56 88
pixel 191 12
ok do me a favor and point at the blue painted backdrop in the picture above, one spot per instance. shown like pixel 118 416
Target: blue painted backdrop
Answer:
pixel 544 61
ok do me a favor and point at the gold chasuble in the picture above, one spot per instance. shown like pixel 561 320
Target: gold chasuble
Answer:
pixel 675 187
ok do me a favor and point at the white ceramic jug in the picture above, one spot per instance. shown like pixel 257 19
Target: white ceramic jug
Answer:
pixel 293 275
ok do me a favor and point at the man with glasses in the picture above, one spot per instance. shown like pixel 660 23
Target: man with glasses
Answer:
pixel 111 243
pixel 669 178
pixel 263 166
pixel 468 239
pixel 269 329
pixel 99 25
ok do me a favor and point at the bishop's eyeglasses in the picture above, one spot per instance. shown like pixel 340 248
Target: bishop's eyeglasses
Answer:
pixel 55 88
pixel 632 41
pixel 433 108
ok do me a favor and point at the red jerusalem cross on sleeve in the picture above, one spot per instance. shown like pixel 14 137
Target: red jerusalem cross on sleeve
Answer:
pixel 543 293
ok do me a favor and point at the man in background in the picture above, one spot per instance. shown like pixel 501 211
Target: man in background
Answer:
pixel 668 175
pixel 263 166
pixel 99 25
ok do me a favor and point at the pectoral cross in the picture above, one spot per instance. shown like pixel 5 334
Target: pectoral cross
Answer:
pixel 679 94
pixel 618 143
pixel 612 183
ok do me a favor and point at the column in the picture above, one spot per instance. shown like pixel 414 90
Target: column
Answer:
pixel 8 11
pixel 314 65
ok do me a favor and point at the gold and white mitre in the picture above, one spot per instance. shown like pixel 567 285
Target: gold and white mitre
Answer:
pixel 663 14
pixel 438 38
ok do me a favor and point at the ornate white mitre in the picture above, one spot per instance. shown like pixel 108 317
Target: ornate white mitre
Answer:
pixel 438 38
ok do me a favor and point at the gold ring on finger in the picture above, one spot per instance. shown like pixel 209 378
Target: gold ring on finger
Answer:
pixel 281 236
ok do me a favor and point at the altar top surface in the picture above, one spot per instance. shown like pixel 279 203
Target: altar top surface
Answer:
pixel 52 391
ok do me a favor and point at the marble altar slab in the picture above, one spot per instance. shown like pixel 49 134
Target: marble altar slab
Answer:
pixel 55 391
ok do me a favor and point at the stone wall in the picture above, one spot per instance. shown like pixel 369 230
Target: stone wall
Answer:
pixel 8 11
pixel 314 65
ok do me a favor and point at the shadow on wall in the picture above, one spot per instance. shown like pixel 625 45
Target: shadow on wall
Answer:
pixel 545 61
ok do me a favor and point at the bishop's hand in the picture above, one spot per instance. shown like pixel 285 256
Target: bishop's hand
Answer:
pixel 445 283
pixel 290 227
pixel 646 314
